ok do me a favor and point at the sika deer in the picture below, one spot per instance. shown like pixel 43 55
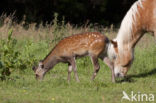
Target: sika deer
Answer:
pixel 91 44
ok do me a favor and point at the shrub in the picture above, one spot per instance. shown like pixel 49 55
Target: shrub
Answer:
pixel 10 57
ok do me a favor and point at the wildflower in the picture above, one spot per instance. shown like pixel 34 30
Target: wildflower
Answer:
pixel 52 99
pixel 24 91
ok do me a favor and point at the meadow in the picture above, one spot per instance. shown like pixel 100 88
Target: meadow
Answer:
pixel 21 47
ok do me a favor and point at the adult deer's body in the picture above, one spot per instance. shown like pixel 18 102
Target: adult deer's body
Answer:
pixel 91 44
pixel 139 19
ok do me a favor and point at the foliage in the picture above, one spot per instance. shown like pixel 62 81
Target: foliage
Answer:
pixel 59 29
pixel 10 57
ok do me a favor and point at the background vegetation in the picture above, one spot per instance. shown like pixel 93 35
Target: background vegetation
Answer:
pixel 105 12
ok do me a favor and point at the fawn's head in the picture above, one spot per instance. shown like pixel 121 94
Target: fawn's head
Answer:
pixel 39 71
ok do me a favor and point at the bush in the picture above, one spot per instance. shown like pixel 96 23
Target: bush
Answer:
pixel 11 58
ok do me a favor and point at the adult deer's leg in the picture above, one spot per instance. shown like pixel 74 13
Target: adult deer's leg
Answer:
pixel 73 63
pixel 111 66
pixel 94 60
pixel 69 71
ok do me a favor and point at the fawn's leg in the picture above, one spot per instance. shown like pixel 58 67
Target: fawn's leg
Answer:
pixel 111 66
pixel 94 60
pixel 69 71
pixel 73 63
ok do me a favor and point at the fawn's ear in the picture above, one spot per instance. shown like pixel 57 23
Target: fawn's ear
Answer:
pixel 34 68
pixel 40 65
pixel 115 45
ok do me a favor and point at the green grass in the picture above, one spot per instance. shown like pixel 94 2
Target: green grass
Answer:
pixel 55 88
pixel 35 43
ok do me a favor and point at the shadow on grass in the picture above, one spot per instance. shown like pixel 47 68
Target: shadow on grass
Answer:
pixel 130 79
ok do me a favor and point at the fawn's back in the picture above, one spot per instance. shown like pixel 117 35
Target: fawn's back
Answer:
pixel 81 45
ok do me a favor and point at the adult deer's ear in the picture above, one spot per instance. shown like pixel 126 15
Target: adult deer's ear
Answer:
pixel 115 45
pixel 41 65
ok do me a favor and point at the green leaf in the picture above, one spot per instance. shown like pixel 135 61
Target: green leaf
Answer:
pixel 10 34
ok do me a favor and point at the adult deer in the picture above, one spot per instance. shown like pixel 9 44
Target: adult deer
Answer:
pixel 140 18
pixel 91 44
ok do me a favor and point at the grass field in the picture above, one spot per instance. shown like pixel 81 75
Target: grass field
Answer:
pixel 23 88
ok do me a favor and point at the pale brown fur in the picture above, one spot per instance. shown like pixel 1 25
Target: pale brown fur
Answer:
pixel 144 20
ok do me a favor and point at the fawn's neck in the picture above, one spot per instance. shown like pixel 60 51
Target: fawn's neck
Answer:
pixel 50 61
